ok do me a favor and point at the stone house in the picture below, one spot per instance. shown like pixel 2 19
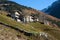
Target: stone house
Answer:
pixel 46 22
pixel 19 17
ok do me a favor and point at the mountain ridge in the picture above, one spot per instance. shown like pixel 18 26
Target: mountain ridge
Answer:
pixel 54 9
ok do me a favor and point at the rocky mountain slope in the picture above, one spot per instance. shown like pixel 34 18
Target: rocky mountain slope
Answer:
pixel 10 29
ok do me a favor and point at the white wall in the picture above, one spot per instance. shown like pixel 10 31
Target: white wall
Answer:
pixel 18 20
pixel 28 19
pixel 17 14
pixel 31 20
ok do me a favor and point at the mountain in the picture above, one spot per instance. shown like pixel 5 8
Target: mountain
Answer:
pixel 18 22
pixel 54 9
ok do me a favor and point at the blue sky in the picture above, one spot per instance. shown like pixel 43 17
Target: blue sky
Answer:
pixel 37 4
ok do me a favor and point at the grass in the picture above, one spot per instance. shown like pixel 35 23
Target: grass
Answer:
pixel 7 30
pixel 39 26
pixel 34 27
pixel 6 20
pixel 55 32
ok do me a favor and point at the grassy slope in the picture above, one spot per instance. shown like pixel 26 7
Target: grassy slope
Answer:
pixel 6 20
pixel 37 27
pixel 55 32
pixel 7 31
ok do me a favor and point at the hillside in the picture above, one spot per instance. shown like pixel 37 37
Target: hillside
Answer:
pixel 46 28
pixel 7 23
pixel 7 33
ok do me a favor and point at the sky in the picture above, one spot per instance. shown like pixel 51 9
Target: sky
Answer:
pixel 36 4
